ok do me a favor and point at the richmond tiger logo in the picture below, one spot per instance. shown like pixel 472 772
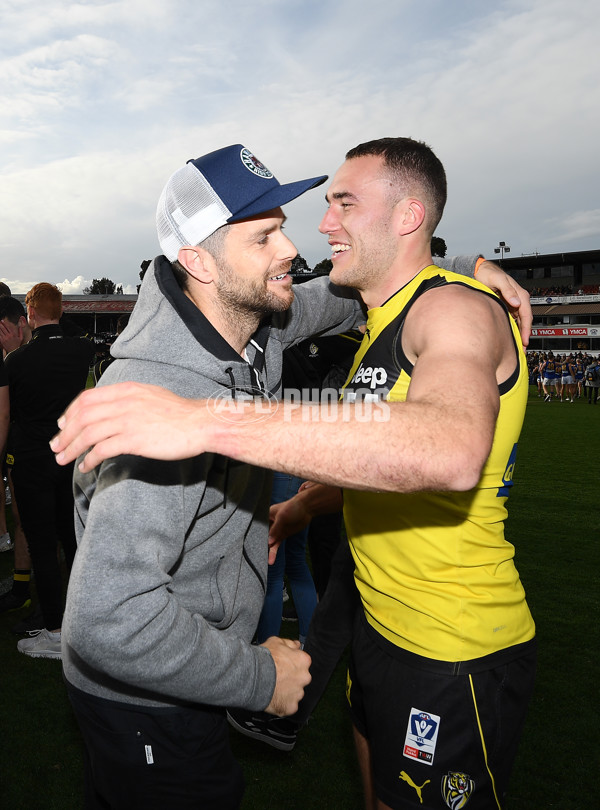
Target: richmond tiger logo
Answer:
pixel 457 789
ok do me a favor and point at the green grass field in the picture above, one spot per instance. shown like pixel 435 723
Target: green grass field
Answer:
pixel 554 519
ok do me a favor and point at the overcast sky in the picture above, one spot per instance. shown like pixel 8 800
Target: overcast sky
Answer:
pixel 102 101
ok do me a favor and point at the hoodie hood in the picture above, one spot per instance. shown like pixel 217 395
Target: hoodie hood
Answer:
pixel 167 327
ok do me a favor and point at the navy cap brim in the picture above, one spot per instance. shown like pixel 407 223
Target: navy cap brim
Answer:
pixel 276 197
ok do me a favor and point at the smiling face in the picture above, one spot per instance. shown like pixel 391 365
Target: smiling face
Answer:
pixel 359 223
pixel 252 270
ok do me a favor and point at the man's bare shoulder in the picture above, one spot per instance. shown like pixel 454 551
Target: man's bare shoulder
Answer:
pixel 458 318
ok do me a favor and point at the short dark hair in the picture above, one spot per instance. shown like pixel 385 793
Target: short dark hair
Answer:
pixel 213 244
pixel 414 167
pixel 11 309
pixel 4 289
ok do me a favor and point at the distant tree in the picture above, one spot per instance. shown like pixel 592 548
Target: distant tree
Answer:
pixel 323 268
pixel 299 265
pixel 101 286
pixel 438 246
pixel 144 265
pixel 119 290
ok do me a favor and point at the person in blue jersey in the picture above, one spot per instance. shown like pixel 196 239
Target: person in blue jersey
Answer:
pixel 579 375
pixel 568 370
pixel 549 370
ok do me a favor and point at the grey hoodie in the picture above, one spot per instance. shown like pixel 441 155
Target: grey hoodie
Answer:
pixel 169 577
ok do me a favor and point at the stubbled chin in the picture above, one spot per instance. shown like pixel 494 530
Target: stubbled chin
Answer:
pixel 281 302
pixel 336 274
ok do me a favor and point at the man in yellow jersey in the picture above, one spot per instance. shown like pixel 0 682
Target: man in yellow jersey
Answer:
pixel 445 648
pixel 444 657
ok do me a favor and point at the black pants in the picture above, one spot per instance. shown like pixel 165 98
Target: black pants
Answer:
pixel 156 759
pixel 331 628
pixel 324 536
pixel 44 493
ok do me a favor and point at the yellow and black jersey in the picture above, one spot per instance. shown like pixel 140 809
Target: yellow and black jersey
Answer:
pixel 434 570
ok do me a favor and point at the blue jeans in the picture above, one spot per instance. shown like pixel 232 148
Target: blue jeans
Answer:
pixel 291 561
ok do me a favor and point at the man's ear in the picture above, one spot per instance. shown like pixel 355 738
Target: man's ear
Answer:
pixel 411 215
pixel 198 263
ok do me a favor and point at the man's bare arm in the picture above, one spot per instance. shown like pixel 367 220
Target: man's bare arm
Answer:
pixel 428 442
pixel 291 516
pixel 514 296
pixel 104 419
pixel 109 419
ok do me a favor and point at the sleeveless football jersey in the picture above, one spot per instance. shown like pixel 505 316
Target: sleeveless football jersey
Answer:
pixel 435 573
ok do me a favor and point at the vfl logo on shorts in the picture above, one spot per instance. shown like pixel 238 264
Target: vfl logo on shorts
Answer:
pixel 457 789
pixel 421 736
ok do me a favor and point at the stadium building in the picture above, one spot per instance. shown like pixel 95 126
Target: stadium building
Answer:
pixel 565 298
pixel 564 289
pixel 96 314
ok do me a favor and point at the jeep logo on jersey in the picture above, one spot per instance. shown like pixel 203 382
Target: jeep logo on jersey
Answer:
pixel 254 165
pixel 373 377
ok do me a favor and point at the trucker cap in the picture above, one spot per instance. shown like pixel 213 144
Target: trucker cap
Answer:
pixel 215 189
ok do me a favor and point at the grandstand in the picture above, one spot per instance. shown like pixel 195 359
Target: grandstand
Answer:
pixel 565 298
pixel 96 314
pixel 564 289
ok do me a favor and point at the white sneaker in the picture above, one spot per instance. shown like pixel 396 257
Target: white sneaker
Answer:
pixel 5 542
pixel 40 644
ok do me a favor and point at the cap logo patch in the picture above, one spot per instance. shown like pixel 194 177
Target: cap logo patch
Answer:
pixel 254 165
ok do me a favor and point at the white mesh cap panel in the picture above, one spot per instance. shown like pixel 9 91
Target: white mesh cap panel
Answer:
pixel 188 211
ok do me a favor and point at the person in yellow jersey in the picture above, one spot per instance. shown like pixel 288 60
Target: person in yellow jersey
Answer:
pixel 443 656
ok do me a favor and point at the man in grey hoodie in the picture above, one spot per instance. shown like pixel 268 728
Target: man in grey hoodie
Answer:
pixel 168 580
pixel 171 563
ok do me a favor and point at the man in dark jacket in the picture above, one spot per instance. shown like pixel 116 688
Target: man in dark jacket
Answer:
pixel 43 377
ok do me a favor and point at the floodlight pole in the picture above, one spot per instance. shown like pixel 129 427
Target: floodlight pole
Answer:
pixel 502 249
